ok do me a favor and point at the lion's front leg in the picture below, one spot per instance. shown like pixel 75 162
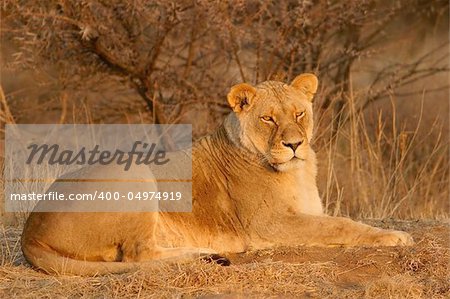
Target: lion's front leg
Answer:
pixel 328 231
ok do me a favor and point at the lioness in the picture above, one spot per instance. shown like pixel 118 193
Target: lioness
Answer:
pixel 254 186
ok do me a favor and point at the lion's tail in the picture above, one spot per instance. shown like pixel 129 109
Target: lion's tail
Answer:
pixel 50 261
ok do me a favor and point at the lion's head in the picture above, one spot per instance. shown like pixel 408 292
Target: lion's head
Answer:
pixel 276 119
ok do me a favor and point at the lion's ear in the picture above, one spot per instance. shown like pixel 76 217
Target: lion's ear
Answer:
pixel 307 84
pixel 241 96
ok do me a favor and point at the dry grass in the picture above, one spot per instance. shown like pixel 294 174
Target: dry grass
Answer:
pixel 384 168
pixel 417 272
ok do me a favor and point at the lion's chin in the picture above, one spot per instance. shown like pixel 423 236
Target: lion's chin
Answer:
pixel 291 164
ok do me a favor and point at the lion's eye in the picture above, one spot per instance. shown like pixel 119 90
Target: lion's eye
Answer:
pixel 267 119
pixel 300 115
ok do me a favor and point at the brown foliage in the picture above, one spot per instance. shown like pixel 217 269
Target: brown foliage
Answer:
pixel 177 54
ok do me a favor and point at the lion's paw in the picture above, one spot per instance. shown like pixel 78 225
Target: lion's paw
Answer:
pixel 392 238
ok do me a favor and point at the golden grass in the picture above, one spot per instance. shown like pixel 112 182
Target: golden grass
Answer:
pixel 383 168
pixel 420 271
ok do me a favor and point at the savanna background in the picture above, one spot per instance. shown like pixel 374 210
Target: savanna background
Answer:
pixel 381 115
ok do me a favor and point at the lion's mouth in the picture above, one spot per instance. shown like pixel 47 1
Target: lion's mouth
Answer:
pixel 278 166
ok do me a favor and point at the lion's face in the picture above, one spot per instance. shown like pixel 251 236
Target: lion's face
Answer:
pixel 276 119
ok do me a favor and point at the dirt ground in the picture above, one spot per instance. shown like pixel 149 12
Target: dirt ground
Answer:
pixel 420 271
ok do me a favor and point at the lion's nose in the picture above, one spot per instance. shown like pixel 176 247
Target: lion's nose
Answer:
pixel 293 146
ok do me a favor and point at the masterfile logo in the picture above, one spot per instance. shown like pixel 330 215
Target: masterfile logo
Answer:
pixel 145 155
pixel 98 168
